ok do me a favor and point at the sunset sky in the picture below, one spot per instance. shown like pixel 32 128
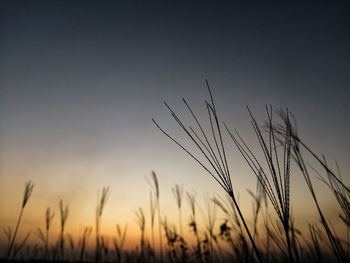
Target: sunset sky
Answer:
pixel 80 82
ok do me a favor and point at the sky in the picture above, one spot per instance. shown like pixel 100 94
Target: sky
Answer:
pixel 80 82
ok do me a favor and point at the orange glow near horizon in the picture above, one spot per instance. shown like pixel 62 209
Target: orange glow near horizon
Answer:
pixel 117 211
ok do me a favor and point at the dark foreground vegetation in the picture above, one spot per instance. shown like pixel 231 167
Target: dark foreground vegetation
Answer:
pixel 271 236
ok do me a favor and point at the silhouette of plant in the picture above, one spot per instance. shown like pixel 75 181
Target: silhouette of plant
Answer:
pixel 212 150
pixel 64 211
pixel 178 192
pixel 28 189
pixel 99 210
pixel 275 182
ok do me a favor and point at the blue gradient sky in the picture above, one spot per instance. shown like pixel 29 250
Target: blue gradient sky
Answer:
pixel 80 82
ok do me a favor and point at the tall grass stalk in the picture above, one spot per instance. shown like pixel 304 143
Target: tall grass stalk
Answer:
pixel 119 242
pixel 178 192
pixel 210 215
pixel 153 209
pixel 45 237
pixel 335 244
pixel 48 219
pixel 141 221
pixel 83 242
pixel 155 185
pixel 28 189
pixel 191 199
pixel 72 246
pixel 64 211
pixel 212 150
pixel 101 202
pixel 276 183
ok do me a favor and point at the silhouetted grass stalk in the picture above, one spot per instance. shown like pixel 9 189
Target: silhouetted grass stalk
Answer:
pixel 48 218
pixel 141 221
pixel 276 188
pixel 99 210
pixel 214 153
pixel 64 211
pixel 178 192
pixel 211 218
pixel 153 206
pixel 27 193
pixel 193 224
pixel 119 242
pixel 155 186
pixel 45 238
pixel 84 238
pixel 299 159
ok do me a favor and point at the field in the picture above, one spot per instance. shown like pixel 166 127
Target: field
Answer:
pixel 269 236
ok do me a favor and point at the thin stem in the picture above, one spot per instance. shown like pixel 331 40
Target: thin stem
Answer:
pixel 47 244
pixel 180 223
pixel 15 234
pixel 257 253
pixel 160 234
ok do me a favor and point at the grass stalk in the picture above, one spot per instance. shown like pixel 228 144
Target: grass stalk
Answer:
pixel 212 150
pixel 101 202
pixel 191 199
pixel 48 219
pixel 276 183
pixel 178 192
pixel 64 211
pixel 27 193
pixel 336 246
pixel 141 221
pixel 84 238
pixel 119 242
pixel 155 186
pixel 153 206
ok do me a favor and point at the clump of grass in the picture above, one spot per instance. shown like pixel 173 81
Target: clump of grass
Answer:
pixel 101 202
pixel 12 238
pixel 212 150
pixel 226 228
pixel 178 192
pixel 177 246
pixel 64 211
